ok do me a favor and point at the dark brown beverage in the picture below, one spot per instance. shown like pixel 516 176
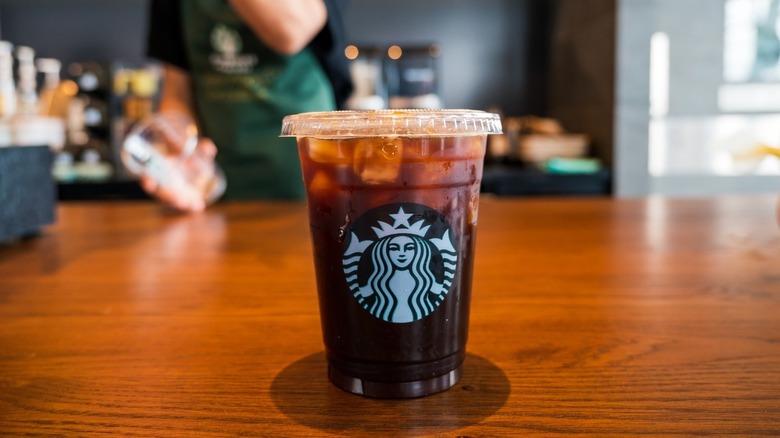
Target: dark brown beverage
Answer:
pixel 393 222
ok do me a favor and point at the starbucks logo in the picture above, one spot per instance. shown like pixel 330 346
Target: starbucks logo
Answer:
pixel 225 40
pixel 226 56
pixel 400 261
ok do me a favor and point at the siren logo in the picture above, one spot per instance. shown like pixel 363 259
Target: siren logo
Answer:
pixel 227 57
pixel 400 261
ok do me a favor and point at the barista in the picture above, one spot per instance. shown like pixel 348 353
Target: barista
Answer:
pixel 238 67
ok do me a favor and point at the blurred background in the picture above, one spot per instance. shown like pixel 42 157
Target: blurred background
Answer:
pixel 599 97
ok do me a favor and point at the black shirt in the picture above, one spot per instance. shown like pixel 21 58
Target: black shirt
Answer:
pixel 165 42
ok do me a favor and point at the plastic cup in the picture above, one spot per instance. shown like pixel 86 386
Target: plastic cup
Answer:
pixel 393 198
pixel 164 147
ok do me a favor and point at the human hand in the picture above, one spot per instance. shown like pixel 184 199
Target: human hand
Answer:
pixel 190 179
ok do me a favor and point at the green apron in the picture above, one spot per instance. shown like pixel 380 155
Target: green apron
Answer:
pixel 242 90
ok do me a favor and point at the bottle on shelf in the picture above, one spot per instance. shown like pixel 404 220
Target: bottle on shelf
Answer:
pixel 135 90
pixel 91 77
pixel 95 114
pixel 93 163
pixel 27 126
pixel 27 88
pixel 139 103
pixel 90 156
pixel 55 93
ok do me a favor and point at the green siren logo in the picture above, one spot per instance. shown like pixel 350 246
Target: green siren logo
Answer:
pixel 400 270
pixel 227 56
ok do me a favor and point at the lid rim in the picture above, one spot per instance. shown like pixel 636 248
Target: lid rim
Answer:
pixel 383 123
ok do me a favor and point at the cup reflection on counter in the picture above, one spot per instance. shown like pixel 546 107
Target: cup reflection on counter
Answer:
pixel 393 200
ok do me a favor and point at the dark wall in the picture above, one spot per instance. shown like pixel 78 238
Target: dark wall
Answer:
pixel 493 51
pixel 77 30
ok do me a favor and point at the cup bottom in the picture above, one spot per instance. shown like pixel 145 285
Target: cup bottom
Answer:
pixel 413 389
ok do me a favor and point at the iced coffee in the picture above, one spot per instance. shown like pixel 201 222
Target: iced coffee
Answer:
pixel 393 201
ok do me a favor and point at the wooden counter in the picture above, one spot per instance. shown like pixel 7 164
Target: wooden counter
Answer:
pixel 589 316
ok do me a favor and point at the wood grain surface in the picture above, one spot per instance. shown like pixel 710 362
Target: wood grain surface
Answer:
pixel 590 317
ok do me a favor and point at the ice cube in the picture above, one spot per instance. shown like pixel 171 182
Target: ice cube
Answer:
pixel 321 183
pixel 325 151
pixel 378 160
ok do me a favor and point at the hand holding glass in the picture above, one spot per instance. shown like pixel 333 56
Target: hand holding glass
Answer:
pixel 173 162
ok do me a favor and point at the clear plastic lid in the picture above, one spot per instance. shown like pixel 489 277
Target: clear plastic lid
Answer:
pixel 383 123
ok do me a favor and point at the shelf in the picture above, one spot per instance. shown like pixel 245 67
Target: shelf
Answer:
pixel 97 191
pixel 508 180
pixel 501 180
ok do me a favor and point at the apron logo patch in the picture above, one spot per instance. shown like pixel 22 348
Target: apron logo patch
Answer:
pixel 227 56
